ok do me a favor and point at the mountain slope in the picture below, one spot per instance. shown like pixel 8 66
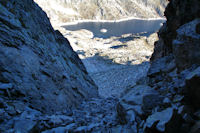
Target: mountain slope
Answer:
pixel 37 64
pixel 70 10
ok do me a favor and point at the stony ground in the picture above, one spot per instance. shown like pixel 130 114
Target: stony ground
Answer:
pixel 157 105
pixel 115 63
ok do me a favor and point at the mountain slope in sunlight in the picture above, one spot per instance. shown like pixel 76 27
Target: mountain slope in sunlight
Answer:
pixel 70 10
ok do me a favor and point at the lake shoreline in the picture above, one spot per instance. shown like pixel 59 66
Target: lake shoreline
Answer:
pixel 108 21
pixel 107 29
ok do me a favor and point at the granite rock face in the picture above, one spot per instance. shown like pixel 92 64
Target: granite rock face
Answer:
pixel 174 70
pixel 37 64
pixel 186 45
pixel 178 13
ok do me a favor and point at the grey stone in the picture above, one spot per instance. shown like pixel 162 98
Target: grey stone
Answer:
pixel 186 46
pixel 121 113
pixel 55 120
pixel 188 118
pixel 198 28
pixel 136 94
pixel 122 129
pixel 81 129
pixel 6 86
pixel 193 87
pixel 24 125
pixel 194 73
pixel 136 108
pixel 164 121
pixel 134 128
pixel 195 128
pixel 38 61
pixel 65 129
pixel 197 114
pixel 159 65
pixel 2 104
pixel 178 98
pixel 166 100
pixel 117 129
pixel 170 66
pixel 151 101
pixel 11 110
pixel 30 114
pixel 131 116
pixel 93 125
pixel 144 96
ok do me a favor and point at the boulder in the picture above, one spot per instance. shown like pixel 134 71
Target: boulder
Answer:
pixel 63 129
pixel 122 129
pixel 150 101
pixel 195 128
pixel 144 96
pixel 193 87
pixel 59 119
pixel 121 113
pixel 24 125
pixel 167 121
pixel 164 64
pixel 186 46
pixel 198 28
pixel 135 95
pixel 6 86
pixel 131 116
pixel 136 108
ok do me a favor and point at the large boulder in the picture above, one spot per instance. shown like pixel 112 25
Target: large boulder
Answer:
pixel 186 46
pixel 38 61
pixel 165 64
pixel 143 96
pixel 167 121
pixel 193 87
pixel 178 13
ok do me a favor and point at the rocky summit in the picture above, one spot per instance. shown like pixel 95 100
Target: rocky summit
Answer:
pixel 45 88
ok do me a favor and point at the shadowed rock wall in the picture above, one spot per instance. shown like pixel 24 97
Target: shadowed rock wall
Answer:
pixel 37 64
pixel 175 66
pixel 178 12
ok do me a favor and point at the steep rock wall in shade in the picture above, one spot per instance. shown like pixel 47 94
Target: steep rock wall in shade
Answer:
pixel 37 64
pixel 178 13
pixel 175 69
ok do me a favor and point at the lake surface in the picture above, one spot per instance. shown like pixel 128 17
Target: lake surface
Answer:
pixel 109 29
